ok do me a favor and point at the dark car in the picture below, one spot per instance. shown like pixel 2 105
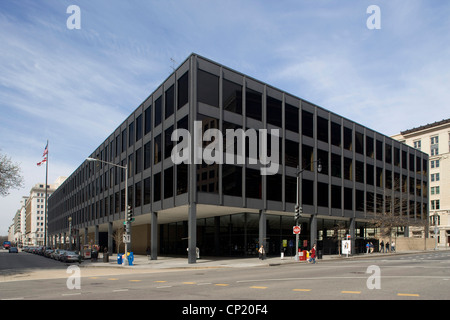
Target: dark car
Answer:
pixel 13 250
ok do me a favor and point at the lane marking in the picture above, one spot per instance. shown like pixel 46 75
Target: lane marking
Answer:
pixel 120 290
pixel 135 280
pixel 188 282
pixel 351 292
pixel 408 295
pixel 71 294
pixel 222 284
pixel 112 279
pixel 255 287
pixel 161 287
pixel 302 290
pixel 160 281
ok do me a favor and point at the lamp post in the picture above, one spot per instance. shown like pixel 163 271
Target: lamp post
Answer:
pixel 126 222
pixel 70 233
pixel 298 208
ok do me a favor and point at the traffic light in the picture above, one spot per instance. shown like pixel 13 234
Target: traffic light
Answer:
pixel 298 212
pixel 130 214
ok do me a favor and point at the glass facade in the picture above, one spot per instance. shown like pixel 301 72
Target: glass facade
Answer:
pixel 362 171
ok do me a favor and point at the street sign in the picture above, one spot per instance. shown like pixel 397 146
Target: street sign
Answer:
pixel 296 229
pixel 126 238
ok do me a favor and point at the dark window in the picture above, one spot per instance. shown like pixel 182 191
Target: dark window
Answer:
pixel 274 187
pixel 147 155
pixel 147 188
pixel 359 142
pixel 138 167
pixel 168 143
pixel 183 90
pixel 124 140
pixel 157 152
pixel 335 134
pixel 157 187
pixel 307 192
pixel 158 111
pixel 397 157
pixel 322 155
pixel 348 143
pixel 348 199
pixel 253 183
pixel 253 104
pixel 336 201
pixel 208 88
pixel 170 101
pixel 291 153
pixel 359 171
pixel 307 124
pixel 274 113
pixel 232 180
pixel 232 96
pixel 369 174
pixel 131 134
pixel 290 189
pixel 336 165
pixel 291 117
pixel 348 169
pixel 307 158
pixel 138 194
pixel 388 153
pixel 148 120
pixel 379 150
pixel 322 129
pixel 369 147
pixel 322 194
pixel 359 200
pixel 139 127
pixel 182 178
pixel 168 183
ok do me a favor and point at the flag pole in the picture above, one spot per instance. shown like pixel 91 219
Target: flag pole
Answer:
pixel 46 199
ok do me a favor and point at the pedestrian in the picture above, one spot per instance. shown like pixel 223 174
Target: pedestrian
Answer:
pixel 367 247
pixel 387 247
pixel 148 253
pixel 393 246
pixel 371 247
pixel 262 253
pixel 382 246
pixel 312 257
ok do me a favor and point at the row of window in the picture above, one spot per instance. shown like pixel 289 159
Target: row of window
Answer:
pixel 434 145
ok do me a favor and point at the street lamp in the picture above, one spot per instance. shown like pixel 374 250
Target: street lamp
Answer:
pixel 298 208
pixel 126 222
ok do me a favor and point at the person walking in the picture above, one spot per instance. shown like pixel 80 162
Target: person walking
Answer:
pixel 262 253
pixel 382 246
pixel 312 257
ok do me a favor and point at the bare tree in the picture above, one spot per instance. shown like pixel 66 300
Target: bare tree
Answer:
pixel 118 238
pixel 10 175
pixel 391 214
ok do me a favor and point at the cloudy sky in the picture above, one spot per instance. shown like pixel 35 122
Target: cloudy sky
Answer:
pixel 74 87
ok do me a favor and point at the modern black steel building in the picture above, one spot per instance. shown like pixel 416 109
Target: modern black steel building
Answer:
pixel 231 209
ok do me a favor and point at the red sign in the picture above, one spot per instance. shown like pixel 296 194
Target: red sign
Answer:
pixel 296 229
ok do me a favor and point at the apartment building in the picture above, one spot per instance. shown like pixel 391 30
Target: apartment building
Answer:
pixel 434 139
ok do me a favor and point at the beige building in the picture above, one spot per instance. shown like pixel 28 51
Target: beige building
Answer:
pixel 434 139
pixel 35 220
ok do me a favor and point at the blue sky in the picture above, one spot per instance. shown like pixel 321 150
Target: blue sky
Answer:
pixel 75 87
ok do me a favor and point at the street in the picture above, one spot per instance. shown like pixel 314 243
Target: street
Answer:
pixel 421 276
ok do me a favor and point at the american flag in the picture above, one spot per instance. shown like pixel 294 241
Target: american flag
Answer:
pixel 44 155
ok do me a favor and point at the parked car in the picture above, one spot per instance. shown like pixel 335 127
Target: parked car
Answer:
pixel 13 250
pixel 57 254
pixel 48 252
pixel 70 256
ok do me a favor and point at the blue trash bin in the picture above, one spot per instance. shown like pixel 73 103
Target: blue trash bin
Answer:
pixel 130 258
pixel 119 258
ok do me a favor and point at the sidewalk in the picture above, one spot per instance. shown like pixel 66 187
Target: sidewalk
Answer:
pixel 165 262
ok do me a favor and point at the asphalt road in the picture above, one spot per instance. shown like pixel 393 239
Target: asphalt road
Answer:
pixel 403 277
